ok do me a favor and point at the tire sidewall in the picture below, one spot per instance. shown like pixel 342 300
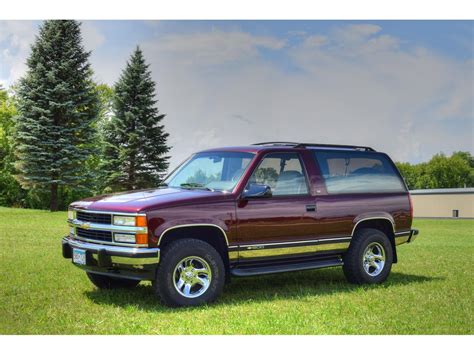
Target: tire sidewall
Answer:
pixel 173 255
pixel 382 239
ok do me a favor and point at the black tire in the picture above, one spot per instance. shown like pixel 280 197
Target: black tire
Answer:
pixel 354 258
pixel 165 283
pixel 107 282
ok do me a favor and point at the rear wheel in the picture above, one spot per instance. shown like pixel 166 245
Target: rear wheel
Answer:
pixel 107 282
pixel 190 273
pixel 369 258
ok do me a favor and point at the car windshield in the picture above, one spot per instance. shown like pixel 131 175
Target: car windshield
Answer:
pixel 210 171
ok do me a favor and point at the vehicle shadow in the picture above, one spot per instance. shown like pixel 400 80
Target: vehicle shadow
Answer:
pixel 296 285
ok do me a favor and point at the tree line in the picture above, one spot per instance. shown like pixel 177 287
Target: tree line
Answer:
pixel 440 171
pixel 64 137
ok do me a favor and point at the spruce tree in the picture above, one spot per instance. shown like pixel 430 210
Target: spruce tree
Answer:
pixel 135 150
pixel 57 105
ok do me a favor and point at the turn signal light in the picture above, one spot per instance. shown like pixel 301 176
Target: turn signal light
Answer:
pixel 140 221
pixel 141 238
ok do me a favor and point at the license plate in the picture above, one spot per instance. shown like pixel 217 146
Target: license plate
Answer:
pixel 79 256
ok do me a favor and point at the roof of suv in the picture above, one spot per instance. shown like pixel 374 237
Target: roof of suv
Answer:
pixel 279 145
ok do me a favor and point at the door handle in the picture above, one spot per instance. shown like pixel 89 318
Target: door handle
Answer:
pixel 311 207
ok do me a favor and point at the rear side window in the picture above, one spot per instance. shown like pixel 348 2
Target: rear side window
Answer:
pixel 358 172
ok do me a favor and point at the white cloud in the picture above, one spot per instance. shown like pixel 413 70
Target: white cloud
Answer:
pixel 91 35
pixel 15 40
pixel 211 48
pixel 354 85
pixel 315 41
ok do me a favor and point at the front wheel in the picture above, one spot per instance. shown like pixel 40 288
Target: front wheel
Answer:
pixel 369 258
pixel 190 273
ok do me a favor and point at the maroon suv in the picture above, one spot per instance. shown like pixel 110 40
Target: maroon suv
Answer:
pixel 244 211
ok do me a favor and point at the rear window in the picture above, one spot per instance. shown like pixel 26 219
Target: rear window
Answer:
pixel 358 172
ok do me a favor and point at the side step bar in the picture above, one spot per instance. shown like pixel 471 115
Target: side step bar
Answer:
pixel 296 266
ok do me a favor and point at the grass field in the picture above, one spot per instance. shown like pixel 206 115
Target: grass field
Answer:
pixel 430 291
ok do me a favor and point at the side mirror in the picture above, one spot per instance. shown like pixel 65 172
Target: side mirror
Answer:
pixel 257 191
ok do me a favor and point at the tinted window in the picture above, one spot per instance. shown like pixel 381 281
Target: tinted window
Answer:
pixel 283 172
pixel 347 172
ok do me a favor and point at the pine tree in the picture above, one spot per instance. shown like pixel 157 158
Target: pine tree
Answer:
pixel 135 151
pixel 57 105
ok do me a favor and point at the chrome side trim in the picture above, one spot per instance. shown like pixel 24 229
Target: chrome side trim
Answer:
pixel 263 245
pixel 233 255
pixel 371 218
pixel 294 250
pixel 194 225
pixel 107 227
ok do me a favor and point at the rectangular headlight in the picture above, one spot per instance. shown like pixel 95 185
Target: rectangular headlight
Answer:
pixel 71 214
pixel 124 238
pixel 124 221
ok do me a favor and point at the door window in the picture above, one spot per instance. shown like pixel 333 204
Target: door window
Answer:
pixel 283 172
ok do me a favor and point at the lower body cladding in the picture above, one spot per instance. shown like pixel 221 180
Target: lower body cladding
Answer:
pixel 285 249
pixel 111 260
pixel 245 260
pixel 258 259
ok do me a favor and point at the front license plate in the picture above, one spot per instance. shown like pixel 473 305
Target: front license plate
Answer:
pixel 79 256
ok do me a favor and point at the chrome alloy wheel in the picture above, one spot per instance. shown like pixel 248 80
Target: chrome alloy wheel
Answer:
pixel 192 277
pixel 374 259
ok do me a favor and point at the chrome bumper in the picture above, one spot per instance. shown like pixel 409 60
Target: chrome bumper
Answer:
pixel 406 236
pixel 413 235
pixel 107 255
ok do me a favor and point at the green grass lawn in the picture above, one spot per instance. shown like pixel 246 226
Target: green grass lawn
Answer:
pixel 430 291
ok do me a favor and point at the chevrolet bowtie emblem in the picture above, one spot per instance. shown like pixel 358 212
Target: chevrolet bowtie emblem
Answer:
pixel 86 225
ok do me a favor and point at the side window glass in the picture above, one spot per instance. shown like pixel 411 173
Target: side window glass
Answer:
pixel 358 172
pixel 283 172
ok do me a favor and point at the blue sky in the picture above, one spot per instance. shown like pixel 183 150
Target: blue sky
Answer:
pixel 404 87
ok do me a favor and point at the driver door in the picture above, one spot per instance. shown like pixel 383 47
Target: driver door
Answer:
pixel 287 216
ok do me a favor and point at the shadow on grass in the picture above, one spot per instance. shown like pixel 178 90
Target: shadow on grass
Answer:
pixel 296 285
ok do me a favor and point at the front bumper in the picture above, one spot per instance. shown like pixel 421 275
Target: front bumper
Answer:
pixel 107 255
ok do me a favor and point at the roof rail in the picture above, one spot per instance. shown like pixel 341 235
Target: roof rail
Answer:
pixel 355 147
pixel 304 145
pixel 278 143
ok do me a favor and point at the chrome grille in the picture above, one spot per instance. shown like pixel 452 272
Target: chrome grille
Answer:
pixel 104 236
pixel 101 218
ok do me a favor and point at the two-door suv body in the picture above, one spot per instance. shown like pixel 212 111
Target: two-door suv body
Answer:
pixel 245 211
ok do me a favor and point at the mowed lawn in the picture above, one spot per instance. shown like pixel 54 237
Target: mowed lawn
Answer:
pixel 430 291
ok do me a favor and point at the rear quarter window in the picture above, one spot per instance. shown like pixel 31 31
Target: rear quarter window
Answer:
pixel 358 172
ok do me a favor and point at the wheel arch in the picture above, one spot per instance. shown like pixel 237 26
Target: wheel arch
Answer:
pixel 207 232
pixel 384 224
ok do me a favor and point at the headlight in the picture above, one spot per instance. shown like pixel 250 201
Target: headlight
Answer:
pixel 124 238
pixel 124 221
pixel 71 214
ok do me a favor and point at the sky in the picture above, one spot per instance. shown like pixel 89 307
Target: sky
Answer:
pixel 402 87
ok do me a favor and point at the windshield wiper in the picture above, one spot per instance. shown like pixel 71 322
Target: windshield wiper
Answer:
pixel 195 185
pixel 163 184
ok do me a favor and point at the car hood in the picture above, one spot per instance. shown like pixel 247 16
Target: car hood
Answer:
pixel 142 200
